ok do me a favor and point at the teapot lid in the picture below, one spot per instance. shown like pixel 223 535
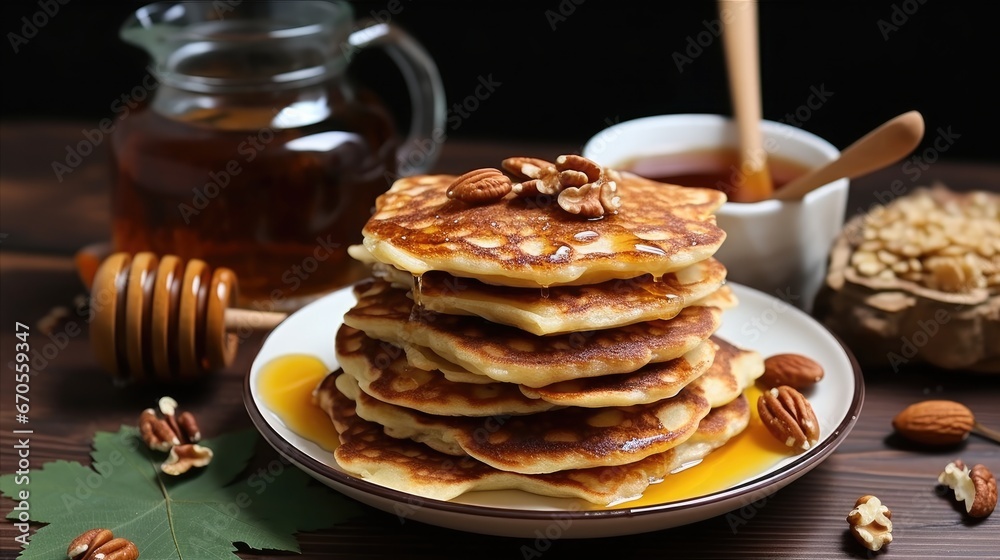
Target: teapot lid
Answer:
pixel 220 46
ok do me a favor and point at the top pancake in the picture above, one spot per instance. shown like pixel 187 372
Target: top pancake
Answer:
pixel 659 228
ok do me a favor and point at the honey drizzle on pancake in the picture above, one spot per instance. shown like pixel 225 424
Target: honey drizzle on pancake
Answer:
pixel 287 382
pixel 418 290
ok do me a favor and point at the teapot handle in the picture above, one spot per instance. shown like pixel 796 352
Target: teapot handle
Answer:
pixel 422 145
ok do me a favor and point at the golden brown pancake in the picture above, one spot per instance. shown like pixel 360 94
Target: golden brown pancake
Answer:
pixel 650 383
pixel 564 309
pixel 659 228
pixel 723 298
pixel 508 354
pixel 733 370
pixel 556 440
pixel 426 359
pixel 411 467
pixel 382 371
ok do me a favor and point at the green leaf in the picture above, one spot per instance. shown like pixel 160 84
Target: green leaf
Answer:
pixel 198 515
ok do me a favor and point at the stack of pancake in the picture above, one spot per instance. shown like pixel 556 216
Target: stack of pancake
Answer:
pixel 514 345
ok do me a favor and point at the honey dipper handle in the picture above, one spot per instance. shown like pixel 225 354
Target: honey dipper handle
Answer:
pixel 244 318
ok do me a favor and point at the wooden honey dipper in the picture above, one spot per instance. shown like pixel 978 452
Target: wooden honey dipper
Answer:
pixel 158 318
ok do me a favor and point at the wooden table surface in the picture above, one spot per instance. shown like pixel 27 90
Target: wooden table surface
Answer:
pixel 44 222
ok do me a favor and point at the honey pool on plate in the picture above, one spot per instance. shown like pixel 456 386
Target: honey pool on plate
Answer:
pixel 287 382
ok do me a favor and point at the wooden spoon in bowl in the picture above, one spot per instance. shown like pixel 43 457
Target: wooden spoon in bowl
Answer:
pixel 885 145
pixel 740 38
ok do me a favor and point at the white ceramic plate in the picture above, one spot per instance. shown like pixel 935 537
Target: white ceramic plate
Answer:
pixel 760 322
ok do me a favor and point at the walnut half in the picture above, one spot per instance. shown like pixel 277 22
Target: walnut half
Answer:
pixel 977 487
pixel 871 523
pixel 185 457
pixel 582 187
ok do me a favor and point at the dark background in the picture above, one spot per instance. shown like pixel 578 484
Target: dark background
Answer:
pixel 567 69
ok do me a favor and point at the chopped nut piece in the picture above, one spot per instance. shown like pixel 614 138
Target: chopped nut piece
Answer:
pixel 185 457
pixel 53 320
pixel 976 487
pixel 871 523
pixel 954 239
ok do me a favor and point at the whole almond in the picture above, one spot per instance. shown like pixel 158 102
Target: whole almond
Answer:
pixel 935 422
pixel 794 370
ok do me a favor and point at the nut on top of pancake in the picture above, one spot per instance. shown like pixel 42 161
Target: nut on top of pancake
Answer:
pixel 571 222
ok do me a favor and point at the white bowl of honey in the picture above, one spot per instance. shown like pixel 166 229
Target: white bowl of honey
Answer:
pixel 779 247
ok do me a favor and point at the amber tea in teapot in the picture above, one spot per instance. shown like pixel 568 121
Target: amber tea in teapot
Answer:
pixel 255 152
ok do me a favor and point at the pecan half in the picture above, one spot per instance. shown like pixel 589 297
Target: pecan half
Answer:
pixel 480 186
pixel 87 542
pixel 185 457
pixel 977 487
pixel 100 544
pixel 156 432
pixel 160 434
pixel 789 417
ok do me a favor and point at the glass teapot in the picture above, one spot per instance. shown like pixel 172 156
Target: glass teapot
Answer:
pixel 253 151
